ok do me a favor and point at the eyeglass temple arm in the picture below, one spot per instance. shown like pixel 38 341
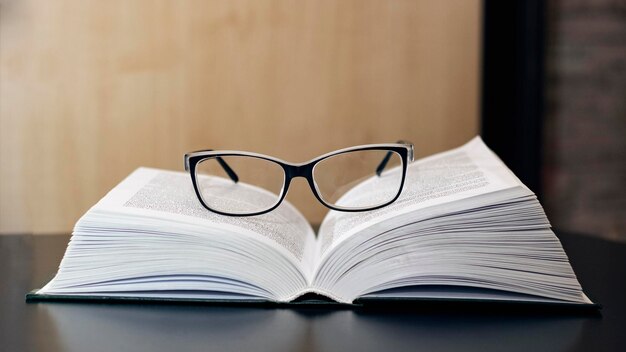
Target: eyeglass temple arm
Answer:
pixel 233 176
pixel 229 171
pixel 383 163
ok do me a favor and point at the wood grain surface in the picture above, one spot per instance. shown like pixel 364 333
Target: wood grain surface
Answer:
pixel 90 90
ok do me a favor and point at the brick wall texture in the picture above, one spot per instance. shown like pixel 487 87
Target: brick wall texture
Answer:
pixel 585 126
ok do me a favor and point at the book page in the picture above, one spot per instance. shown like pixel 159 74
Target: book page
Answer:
pixel 443 178
pixel 170 195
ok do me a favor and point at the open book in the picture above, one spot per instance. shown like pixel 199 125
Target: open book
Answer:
pixel 464 228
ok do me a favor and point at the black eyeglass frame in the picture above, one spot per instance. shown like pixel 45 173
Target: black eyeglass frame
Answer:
pixel 292 170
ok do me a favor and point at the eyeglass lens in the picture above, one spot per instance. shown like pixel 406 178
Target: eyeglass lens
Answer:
pixel 350 180
pixel 257 186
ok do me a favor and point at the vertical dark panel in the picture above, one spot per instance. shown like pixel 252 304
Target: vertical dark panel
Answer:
pixel 512 85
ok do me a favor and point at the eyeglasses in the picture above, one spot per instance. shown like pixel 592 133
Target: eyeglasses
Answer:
pixel 361 178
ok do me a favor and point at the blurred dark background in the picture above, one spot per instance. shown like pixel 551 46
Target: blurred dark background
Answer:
pixel 554 106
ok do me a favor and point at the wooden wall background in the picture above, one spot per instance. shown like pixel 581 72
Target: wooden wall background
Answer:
pixel 90 90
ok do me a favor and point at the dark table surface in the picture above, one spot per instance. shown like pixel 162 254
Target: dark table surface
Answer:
pixel 28 262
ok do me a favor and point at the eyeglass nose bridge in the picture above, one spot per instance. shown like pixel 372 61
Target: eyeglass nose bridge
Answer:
pixel 293 171
pixel 300 170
